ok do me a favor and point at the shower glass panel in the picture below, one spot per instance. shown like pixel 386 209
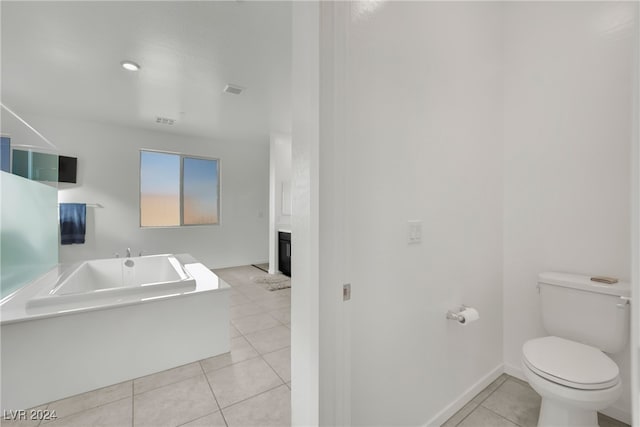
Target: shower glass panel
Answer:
pixel 29 231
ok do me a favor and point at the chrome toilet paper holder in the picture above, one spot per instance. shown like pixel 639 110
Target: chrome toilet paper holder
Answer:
pixel 455 315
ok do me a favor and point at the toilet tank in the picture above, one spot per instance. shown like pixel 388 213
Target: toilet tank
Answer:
pixel 576 308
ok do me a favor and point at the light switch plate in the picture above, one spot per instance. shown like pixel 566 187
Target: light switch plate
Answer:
pixel 414 232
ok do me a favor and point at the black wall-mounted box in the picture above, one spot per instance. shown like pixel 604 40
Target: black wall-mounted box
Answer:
pixel 67 169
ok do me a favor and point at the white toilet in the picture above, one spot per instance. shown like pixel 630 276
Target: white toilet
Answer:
pixel 569 369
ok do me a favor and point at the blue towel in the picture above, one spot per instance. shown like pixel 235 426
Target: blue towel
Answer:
pixel 73 219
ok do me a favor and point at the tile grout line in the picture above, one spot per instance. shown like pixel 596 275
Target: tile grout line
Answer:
pixel 279 326
pixel 272 368
pixel 231 364
pixel 260 355
pixel 489 409
pixel 491 394
pixel 83 411
pixel 265 360
pixel 203 416
pixel 264 309
pixel 133 394
pixel 171 383
pixel 500 415
pixel 48 404
pixel 206 377
pixel 40 421
pixel 466 416
pixel 258 330
pixel 251 397
pixel 480 403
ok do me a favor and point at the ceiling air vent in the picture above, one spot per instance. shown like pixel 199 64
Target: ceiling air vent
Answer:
pixel 165 121
pixel 233 89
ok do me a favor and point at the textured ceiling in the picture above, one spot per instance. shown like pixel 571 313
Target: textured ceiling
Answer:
pixel 63 59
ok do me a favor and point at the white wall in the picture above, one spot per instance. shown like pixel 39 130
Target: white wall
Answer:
pixel 305 289
pixel 279 175
pixel 108 174
pixel 567 123
pixel 425 143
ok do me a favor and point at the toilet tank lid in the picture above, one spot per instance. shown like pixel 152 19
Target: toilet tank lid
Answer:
pixel 584 283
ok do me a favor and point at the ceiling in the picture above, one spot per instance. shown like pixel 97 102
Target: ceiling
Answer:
pixel 63 59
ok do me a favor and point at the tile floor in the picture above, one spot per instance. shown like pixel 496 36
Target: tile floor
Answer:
pixel 249 386
pixel 507 402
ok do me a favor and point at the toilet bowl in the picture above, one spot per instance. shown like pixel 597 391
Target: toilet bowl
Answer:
pixel 574 380
pixel 569 368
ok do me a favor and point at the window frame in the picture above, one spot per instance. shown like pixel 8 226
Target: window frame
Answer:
pixel 182 157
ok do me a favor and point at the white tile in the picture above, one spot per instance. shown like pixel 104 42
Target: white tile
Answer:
pixel 272 408
pixel 174 404
pixel 212 420
pixel 515 401
pixel 240 350
pixel 282 314
pixel 163 378
pixel 242 380
pixel 275 302
pixel 237 298
pixel 243 310
pixel 255 292
pixel 118 413
pixel 283 292
pixel 256 322
pixel 280 361
pixel 482 417
pixel 270 340
pixel 91 399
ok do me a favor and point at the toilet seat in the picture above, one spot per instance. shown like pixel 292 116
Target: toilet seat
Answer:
pixel 570 364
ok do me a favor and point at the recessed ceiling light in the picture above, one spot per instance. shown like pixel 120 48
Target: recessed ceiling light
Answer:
pixel 130 65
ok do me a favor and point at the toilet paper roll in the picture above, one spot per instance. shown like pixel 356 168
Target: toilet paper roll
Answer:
pixel 468 315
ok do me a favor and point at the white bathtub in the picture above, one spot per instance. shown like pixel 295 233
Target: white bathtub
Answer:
pixel 114 280
pixel 89 325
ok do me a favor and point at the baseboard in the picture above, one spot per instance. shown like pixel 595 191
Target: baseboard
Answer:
pixel 469 394
pixel 514 371
pixel 612 411
pixel 618 414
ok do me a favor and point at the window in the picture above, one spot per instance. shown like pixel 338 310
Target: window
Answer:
pixel 177 190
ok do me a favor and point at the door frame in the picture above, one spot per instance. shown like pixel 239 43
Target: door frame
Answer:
pixel 320 357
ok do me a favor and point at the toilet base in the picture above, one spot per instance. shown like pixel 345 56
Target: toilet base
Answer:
pixel 564 406
pixel 555 414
